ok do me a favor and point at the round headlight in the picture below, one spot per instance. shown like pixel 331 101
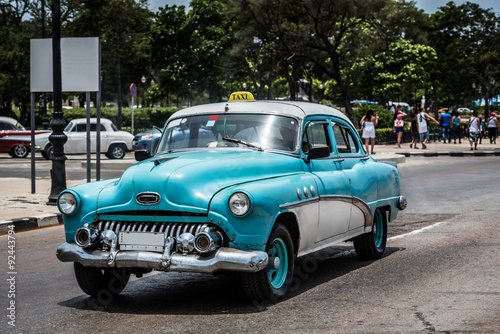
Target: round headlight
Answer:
pixel 67 203
pixel 239 204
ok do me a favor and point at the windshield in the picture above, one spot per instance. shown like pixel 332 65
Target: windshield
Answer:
pixel 68 127
pixel 243 130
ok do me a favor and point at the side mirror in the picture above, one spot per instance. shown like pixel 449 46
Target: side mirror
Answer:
pixel 318 153
pixel 142 155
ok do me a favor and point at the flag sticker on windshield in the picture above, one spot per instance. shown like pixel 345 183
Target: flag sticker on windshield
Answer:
pixel 211 120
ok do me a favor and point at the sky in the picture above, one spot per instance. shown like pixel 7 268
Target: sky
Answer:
pixel 429 6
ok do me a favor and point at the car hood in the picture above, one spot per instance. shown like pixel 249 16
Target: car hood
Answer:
pixel 186 181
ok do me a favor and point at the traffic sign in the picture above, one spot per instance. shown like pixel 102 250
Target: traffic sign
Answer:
pixel 133 90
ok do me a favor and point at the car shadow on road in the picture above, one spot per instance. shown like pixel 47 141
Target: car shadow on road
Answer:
pixel 199 294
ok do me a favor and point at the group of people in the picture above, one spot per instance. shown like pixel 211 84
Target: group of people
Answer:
pixel 420 128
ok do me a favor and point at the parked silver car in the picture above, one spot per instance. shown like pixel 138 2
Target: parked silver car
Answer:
pixel 114 143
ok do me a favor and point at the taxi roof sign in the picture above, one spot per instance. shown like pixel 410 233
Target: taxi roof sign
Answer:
pixel 241 96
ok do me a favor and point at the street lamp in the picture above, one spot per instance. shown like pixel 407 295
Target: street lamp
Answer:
pixel 143 81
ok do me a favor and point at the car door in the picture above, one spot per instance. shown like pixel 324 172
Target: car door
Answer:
pixel 77 139
pixel 361 176
pixel 332 185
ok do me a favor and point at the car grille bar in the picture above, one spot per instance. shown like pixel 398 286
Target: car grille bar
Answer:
pixel 172 229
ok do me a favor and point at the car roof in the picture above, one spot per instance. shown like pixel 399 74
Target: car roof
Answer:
pixel 8 119
pixel 295 109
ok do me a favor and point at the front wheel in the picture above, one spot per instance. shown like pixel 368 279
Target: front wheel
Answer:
pixel 371 246
pixel 273 282
pixel 19 151
pixel 100 282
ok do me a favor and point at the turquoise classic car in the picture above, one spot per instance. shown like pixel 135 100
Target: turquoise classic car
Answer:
pixel 243 186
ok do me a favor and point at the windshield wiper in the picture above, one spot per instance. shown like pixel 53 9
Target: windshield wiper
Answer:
pixel 238 141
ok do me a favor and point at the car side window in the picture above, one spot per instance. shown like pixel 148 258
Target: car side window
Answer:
pixel 344 139
pixel 4 126
pixel 83 127
pixel 315 135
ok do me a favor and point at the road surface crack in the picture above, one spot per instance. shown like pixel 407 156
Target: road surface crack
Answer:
pixel 420 316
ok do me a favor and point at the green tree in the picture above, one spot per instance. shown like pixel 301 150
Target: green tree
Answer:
pixel 467 42
pixel 401 68
pixel 330 35
pixel 14 58
pixel 190 49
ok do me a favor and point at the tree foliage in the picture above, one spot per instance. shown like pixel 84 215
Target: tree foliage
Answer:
pixel 467 40
pixel 319 50
pixel 189 49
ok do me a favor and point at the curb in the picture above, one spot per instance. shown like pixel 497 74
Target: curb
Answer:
pixel 31 223
pixel 452 154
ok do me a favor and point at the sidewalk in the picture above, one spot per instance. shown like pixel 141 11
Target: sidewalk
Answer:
pixel 28 211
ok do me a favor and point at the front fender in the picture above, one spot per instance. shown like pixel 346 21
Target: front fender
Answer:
pixel 252 230
pixel 87 195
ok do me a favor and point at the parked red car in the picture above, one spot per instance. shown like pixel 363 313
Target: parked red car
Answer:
pixel 14 138
pixel 16 146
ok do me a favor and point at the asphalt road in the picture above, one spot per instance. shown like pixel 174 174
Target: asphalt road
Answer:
pixel 10 167
pixel 441 273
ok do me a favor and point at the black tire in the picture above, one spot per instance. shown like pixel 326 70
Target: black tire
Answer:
pixel 116 151
pixel 271 284
pixel 99 281
pixel 48 153
pixel 371 246
pixel 19 151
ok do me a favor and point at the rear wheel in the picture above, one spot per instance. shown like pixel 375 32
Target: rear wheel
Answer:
pixel 371 246
pixel 116 151
pixel 100 282
pixel 19 151
pixel 273 282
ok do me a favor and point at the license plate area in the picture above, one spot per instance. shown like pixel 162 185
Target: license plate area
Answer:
pixel 142 241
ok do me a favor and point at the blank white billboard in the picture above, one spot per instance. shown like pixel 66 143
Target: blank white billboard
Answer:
pixel 79 64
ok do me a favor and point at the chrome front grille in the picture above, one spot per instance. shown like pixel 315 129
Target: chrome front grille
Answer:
pixel 171 229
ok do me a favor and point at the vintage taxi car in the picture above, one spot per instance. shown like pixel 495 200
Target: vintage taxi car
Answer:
pixel 243 186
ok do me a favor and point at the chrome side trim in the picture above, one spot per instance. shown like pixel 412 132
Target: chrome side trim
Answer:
pixel 299 203
pixel 223 259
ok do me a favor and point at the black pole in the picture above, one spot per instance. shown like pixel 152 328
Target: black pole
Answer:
pixel 45 119
pixel 57 138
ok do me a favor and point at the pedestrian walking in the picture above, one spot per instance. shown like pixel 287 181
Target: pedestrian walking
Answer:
pixel 398 127
pixel 456 128
pixel 422 118
pixel 368 124
pixel 493 128
pixel 473 131
pixel 446 121
pixel 482 130
pixel 414 130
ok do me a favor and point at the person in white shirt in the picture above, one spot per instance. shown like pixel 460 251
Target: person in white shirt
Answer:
pixel 473 130
pixel 422 118
pixel 493 128
pixel 368 123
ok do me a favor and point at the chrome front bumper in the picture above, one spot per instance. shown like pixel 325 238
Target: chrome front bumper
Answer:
pixel 223 258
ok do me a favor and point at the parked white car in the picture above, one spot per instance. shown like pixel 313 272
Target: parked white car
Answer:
pixel 114 143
